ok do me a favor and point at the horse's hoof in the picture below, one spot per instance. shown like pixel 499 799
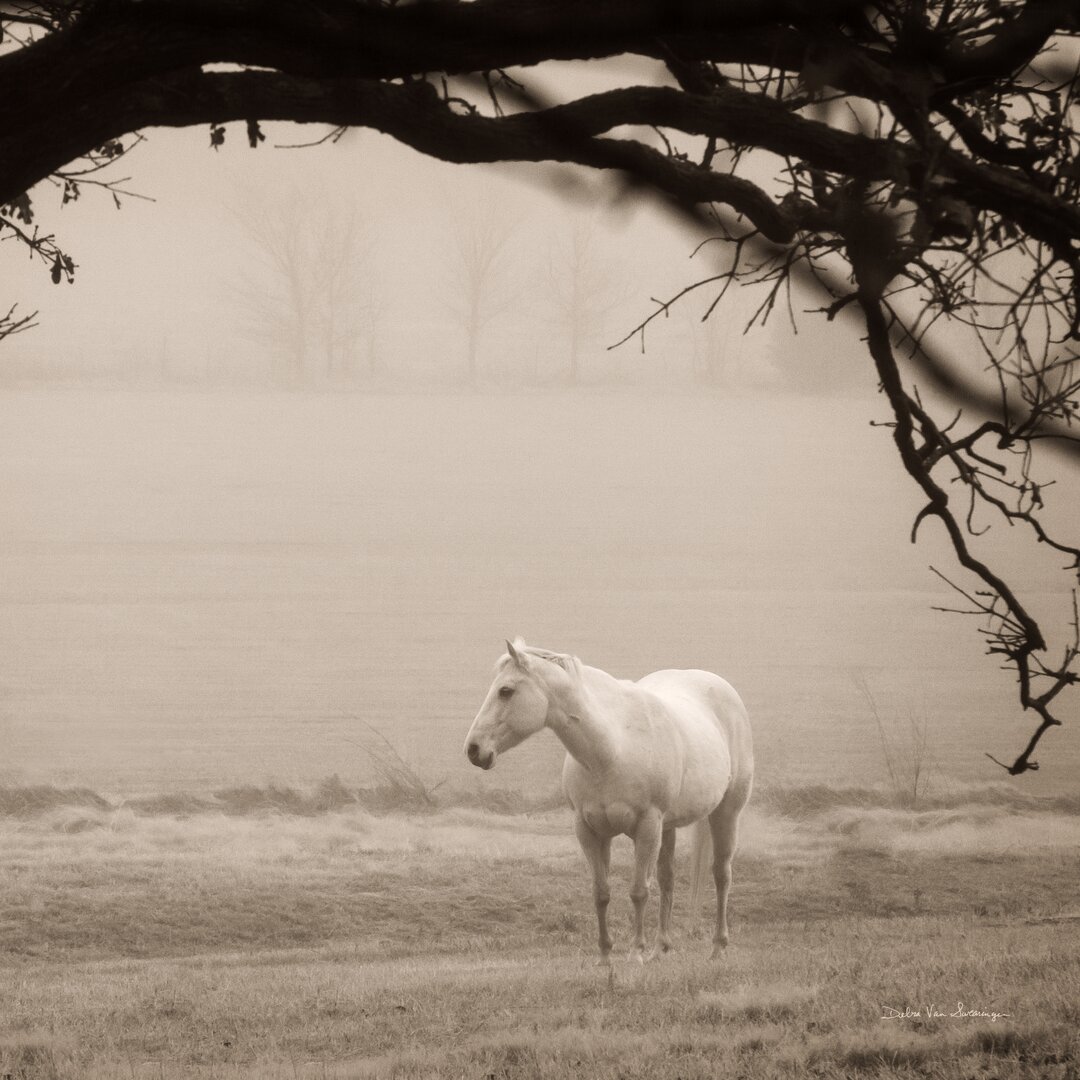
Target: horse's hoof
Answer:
pixel 718 951
pixel 658 951
pixel 604 961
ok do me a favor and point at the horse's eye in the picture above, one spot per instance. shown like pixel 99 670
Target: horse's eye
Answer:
pixel 506 691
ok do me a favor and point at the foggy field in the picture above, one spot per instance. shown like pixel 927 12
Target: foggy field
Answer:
pixel 212 588
pixel 345 943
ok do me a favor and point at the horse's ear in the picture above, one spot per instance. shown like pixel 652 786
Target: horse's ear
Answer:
pixel 514 654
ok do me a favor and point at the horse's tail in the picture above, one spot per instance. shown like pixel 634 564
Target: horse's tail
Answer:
pixel 701 860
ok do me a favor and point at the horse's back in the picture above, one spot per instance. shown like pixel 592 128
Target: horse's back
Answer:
pixel 703 706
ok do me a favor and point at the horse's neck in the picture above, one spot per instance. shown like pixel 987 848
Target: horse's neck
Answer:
pixel 582 717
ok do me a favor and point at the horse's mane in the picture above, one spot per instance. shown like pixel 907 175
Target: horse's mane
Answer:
pixel 570 664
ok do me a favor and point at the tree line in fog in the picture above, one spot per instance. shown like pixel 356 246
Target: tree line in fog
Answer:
pixel 306 304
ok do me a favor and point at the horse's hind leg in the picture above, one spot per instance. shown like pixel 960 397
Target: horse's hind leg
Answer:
pixel 647 842
pixel 724 823
pixel 665 875
pixel 597 851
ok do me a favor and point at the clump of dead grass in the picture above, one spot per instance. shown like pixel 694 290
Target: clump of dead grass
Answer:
pixel 808 800
pixel 38 798
pixel 36 1057
pixel 79 809
pixel 764 1003
pixel 331 794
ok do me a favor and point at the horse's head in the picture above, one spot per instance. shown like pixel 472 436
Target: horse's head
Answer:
pixel 516 707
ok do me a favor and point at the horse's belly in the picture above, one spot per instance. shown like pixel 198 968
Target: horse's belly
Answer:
pixel 701 775
pixel 687 811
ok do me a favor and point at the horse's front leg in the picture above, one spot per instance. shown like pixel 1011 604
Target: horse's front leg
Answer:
pixel 647 839
pixel 598 852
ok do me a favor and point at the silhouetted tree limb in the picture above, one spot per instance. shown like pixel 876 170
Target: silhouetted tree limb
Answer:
pixel 10 323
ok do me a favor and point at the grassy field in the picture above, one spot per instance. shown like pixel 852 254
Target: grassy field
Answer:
pixel 264 932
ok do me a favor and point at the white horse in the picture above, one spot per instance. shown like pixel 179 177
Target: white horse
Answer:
pixel 642 759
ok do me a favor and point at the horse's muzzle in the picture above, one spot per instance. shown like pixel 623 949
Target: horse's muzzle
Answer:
pixel 483 761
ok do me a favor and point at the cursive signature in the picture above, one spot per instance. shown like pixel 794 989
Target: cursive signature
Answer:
pixel 932 1012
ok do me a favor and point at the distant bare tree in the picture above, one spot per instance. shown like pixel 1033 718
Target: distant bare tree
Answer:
pixel 307 294
pixel 582 290
pixel 371 302
pixel 711 335
pixel 483 289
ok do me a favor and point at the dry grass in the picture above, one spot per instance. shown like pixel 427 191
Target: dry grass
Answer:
pixel 399 788
pixel 310 937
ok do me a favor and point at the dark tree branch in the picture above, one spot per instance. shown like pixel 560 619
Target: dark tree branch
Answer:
pixel 1011 631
